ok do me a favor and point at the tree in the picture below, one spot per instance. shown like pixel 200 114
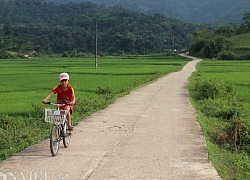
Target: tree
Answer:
pixel 3 54
pixel 246 17
pixel 7 29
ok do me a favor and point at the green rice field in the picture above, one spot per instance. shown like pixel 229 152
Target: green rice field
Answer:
pixel 27 81
pixel 236 73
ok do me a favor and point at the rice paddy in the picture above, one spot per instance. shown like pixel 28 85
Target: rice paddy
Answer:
pixel 27 81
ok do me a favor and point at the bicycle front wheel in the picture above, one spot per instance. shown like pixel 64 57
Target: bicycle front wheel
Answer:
pixel 66 137
pixel 54 140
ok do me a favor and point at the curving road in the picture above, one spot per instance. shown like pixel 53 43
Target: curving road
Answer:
pixel 151 134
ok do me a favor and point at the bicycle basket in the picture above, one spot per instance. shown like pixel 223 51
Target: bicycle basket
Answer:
pixel 55 116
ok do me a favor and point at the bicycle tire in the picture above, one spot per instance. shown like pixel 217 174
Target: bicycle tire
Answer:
pixel 54 140
pixel 66 136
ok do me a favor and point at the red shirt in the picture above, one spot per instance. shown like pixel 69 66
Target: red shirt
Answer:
pixel 64 95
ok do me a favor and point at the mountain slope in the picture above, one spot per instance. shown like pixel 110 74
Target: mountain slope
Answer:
pixel 52 27
pixel 194 11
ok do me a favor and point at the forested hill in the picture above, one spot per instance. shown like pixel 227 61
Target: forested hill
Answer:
pixel 50 27
pixel 194 11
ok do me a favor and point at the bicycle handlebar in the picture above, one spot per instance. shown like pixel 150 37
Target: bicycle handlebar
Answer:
pixel 56 104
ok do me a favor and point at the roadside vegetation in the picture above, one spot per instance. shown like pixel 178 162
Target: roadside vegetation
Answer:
pixel 219 92
pixel 25 83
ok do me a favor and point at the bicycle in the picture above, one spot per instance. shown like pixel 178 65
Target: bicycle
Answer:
pixel 60 129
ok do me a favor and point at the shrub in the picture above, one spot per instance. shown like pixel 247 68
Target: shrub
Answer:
pixel 3 54
pixel 204 88
pixel 244 135
pixel 65 54
pixel 227 55
pixel 227 134
pixel 221 108
pixel 106 93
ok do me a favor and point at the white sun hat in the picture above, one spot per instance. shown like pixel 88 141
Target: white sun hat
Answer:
pixel 64 76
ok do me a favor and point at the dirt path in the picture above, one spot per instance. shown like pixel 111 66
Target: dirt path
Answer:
pixel 152 133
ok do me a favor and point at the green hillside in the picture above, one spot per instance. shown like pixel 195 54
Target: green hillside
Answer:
pixel 242 40
pixel 193 11
pixel 241 45
pixel 46 28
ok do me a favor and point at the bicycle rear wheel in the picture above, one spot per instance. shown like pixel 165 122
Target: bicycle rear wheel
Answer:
pixel 66 136
pixel 54 140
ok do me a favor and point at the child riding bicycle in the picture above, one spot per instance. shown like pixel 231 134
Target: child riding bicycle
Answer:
pixel 65 95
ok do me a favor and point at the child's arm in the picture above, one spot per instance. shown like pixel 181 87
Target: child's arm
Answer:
pixel 47 97
pixel 73 100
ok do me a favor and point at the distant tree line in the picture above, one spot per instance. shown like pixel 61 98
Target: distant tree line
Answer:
pixel 40 27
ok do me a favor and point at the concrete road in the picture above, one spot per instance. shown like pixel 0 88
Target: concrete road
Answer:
pixel 151 134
